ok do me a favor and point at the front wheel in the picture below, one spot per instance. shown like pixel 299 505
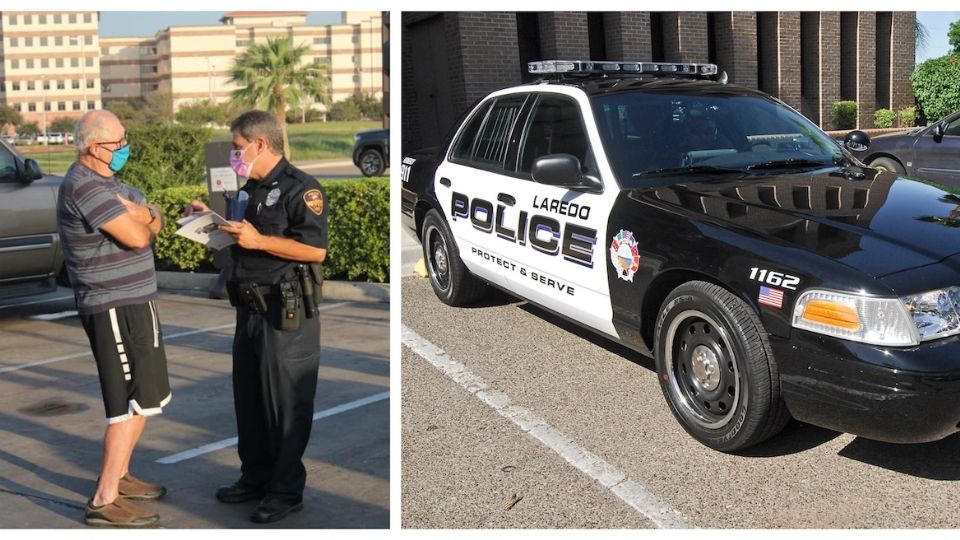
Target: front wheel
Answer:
pixel 716 368
pixel 887 164
pixel 371 163
pixel 449 277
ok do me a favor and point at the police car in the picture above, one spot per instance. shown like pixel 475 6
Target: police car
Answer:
pixel 770 274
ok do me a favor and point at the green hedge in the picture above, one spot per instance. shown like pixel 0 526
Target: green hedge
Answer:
pixel 844 114
pixel 359 222
pixel 936 83
pixel 907 117
pixel 165 156
pixel 883 118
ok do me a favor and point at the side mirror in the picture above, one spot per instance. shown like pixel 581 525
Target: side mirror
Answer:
pixel 938 131
pixel 563 170
pixel 31 171
pixel 856 141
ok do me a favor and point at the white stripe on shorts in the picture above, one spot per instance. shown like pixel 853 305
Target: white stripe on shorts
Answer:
pixel 116 337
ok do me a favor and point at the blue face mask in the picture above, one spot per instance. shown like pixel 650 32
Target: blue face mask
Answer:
pixel 119 158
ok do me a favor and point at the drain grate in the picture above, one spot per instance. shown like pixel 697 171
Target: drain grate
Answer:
pixel 52 407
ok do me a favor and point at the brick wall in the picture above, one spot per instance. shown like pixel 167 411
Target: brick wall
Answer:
pixel 788 38
pixel 685 36
pixel 866 68
pixel 809 65
pixel 903 44
pixel 736 39
pixel 829 66
pixel 627 36
pixel 563 36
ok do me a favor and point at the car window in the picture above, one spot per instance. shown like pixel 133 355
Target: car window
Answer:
pixel 554 128
pixel 494 138
pixel 953 128
pixel 463 149
pixel 8 166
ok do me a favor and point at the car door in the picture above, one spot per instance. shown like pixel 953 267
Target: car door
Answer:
pixel 28 241
pixel 556 236
pixel 468 181
pixel 938 159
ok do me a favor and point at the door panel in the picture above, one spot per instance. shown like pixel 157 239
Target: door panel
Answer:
pixel 28 240
pixel 940 160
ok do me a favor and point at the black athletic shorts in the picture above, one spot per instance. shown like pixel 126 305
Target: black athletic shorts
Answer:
pixel 128 346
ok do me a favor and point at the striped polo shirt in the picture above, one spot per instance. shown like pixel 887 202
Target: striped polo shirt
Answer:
pixel 103 272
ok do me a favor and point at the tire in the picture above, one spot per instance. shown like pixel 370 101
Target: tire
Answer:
pixel 888 164
pixel 716 368
pixel 371 162
pixel 450 279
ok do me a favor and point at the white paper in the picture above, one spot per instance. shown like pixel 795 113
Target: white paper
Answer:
pixel 223 179
pixel 204 227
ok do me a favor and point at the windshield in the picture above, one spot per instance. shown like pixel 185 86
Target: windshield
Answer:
pixel 651 133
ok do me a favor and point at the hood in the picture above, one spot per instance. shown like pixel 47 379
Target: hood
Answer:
pixel 879 225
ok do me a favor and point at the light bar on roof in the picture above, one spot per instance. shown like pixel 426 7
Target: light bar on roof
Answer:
pixel 603 66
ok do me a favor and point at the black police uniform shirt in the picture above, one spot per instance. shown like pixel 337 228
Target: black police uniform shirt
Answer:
pixel 287 203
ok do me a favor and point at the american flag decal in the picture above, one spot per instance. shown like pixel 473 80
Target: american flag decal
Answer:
pixel 771 297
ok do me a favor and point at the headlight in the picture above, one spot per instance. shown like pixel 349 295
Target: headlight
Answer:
pixel 878 321
pixel 935 312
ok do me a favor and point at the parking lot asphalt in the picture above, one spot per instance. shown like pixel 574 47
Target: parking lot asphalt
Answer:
pixel 466 450
pixel 52 419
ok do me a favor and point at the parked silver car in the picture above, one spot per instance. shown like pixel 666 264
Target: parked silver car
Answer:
pixel 30 253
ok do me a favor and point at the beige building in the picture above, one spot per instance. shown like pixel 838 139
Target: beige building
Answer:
pixel 51 63
pixel 193 63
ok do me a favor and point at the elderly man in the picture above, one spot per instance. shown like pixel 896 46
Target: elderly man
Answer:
pixel 106 229
pixel 280 243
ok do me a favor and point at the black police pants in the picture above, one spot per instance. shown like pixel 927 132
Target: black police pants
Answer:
pixel 274 383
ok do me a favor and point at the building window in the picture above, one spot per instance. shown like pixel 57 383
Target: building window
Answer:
pixel 15 87
pixel 57 19
pixel 44 63
pixel 61 105
pixel 356 78
pixel 76 105
pixel 242 42
pixel 32 107
pixel 89 61
pixel 28 41
pixel 91 83
pixel 46 105
pixel 46 84
pixel 18 107
pixel 61 85
pixel 13 42
pixel 87 18
pixel 14 64
pixel 88 40
pixel 75 84
pixel 58 41
pixel 43 41
pixel 59 62
pixel 29 63
pixel 13 20
pixel 153 86
pixel 91 105
pixel 42 18
pixel 355 39
pixel 73 18
pixel 31 85
pixel 105 88
pixel 104 50
pixel 74 62
pixel 28 19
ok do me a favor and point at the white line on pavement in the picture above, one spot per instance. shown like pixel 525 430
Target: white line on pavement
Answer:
pixel 44 301
pixel 627 490
pixel 171 336
pixel 225 443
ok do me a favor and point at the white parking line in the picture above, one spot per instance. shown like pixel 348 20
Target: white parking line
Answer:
pixel 171 336
pixel 627 490
pixel 44 301
pixel 226 443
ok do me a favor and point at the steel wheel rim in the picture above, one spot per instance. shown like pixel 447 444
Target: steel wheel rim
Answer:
pixel 438 258
pixel 694 343
pixel 370 163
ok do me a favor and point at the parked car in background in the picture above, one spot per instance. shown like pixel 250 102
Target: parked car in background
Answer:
pixel 371 151
pixel 931 153
pixel 30 251
pixel 50 138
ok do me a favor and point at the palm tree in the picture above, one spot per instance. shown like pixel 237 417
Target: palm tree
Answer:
pixel 272 76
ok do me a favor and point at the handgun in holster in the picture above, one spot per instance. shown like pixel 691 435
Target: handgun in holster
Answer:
pixel 289 305
pixel 311 286
pixel 251 295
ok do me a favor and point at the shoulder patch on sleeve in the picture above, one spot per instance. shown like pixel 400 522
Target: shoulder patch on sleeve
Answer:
pixel 314 200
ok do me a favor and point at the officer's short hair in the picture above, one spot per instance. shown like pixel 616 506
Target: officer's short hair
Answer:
pixel 256 123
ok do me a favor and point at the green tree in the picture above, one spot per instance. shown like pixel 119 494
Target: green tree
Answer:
pixel 953 36
pixel 130 112
pixel 199 113
pixel 28 129
pixel 273 77
pixel 9 116
pixel 63 125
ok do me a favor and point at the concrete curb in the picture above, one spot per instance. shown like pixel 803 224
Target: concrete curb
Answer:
pixel 341 291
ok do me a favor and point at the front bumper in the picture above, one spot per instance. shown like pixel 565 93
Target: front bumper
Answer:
pixel 902 395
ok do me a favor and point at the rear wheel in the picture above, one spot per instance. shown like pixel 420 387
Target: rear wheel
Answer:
pixel 888 164
pixel 371 162
pixel 716 368
pixel 449 277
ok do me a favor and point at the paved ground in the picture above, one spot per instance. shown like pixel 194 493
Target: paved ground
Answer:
pixel 472 437
pixel 332 168
pixel 51 418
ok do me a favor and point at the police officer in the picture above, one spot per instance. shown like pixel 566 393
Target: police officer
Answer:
pixel 280 243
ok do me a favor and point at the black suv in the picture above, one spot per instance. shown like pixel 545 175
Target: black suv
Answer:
pixel 768 272
pixel 371 151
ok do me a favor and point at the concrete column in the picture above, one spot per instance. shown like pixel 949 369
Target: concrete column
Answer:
pixel 563 35
pixel 685 37
pixel 736 39
pixel 628 36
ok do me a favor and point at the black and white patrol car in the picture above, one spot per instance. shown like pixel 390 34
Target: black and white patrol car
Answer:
pixel 768 271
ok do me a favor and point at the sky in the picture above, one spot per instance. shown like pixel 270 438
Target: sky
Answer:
pixel 147 23
pixel 937 23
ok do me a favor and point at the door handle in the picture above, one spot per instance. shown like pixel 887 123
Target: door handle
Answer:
pixel 506 199
pixel 445 181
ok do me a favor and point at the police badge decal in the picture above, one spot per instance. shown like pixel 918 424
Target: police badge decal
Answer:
pixel 314 201
pixel 624 254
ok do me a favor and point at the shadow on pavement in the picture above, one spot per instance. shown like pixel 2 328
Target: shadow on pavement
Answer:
pixel 938 460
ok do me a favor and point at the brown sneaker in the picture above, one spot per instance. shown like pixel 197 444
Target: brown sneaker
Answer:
pixel 119 513
pixel 134 488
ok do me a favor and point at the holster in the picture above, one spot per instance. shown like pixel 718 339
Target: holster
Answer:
pixel 289 305
pixel 311 286
pixel 252 295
